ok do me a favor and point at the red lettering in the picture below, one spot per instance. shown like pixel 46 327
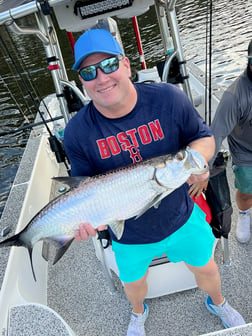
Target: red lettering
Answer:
pixel 122 137
pixel 156 130
pixel 113 145
pixel 127 141
pixel 144 134
pixel 103 148
pixel 132 134
pixel 134 154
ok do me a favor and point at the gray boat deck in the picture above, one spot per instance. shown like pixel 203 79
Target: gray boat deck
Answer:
pixel 79 292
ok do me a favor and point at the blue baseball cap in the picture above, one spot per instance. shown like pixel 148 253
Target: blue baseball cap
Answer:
pixel 95 41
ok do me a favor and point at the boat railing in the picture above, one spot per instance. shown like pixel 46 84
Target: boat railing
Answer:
pixel 18 12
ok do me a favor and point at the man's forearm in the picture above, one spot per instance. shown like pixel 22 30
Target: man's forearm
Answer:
pixel 206 147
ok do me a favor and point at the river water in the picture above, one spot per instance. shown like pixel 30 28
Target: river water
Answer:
pixel 231 33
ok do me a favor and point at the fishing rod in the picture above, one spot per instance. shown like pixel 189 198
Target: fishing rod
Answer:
pixel 29 126
pixel 27 72
pixel 2 80
pixel 206 63
pixel 208 67
pixel 55 145
pixel 23 81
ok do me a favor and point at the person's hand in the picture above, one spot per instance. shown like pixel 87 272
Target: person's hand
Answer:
pixel 197 183
pixel 85 230
pixel 196 188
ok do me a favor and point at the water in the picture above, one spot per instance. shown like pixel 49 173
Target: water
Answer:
pixel 231 33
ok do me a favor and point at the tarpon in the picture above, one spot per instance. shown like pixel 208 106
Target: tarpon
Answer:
pixel 107 199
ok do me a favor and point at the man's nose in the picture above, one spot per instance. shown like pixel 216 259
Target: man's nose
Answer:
pixel 101 76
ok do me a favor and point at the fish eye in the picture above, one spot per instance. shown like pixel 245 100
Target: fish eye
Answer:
pixel 180 156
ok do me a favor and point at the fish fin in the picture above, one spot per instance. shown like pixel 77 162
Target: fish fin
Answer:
pixel 154 203
pixel 148 206
pixel 71 181
pixel 158 200
pixel 45 250
pixel 118 227
pixel 30 255
pixel 17 240
pixel 62 247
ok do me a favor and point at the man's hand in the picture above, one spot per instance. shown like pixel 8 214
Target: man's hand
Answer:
pixel 85 230
pixel 198 183
pixel 196 188
pixel 198 178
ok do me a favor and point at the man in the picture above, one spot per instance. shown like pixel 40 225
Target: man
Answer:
pixel 124 124
pixel 233 119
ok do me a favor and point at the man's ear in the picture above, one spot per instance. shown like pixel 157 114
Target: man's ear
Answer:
pixel 126 63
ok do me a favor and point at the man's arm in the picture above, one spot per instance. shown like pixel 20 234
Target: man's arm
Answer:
pixel 226 118
pixel 206 147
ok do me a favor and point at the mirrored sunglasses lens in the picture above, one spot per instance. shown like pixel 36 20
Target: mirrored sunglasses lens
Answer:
pixel 109 65
pixel 88 73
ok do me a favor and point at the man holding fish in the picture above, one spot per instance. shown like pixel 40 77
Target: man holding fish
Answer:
pixel 127 123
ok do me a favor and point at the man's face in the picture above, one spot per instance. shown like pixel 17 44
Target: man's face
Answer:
pixel 107 90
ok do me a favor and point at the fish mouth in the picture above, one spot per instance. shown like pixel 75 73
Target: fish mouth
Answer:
pixel 197 162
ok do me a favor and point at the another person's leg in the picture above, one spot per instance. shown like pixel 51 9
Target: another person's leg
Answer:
pixel 243 184
pixel 244 203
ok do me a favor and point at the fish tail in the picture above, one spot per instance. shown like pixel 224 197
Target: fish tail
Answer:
pixel 30 255
pixel 17 240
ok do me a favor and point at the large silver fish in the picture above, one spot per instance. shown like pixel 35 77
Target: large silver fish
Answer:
pixel 109 199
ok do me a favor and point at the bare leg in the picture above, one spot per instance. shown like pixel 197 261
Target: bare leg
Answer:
pixel 244 201
pixel 208 279
pixel 136 292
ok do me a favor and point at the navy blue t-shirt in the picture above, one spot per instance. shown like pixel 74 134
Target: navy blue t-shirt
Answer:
pixel 163 121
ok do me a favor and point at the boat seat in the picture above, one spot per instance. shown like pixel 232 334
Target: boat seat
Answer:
pixel 164 277
pixel 36 319
pixel 148 76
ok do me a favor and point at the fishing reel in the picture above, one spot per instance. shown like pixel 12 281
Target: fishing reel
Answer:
pixel 222 158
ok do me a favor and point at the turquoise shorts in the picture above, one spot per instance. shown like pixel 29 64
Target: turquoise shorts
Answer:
pixel 192 243
pixel 243 179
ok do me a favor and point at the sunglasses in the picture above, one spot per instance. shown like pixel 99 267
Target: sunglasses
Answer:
pixel 107 66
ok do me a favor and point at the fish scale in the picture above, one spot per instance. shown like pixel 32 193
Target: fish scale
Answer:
pixel 124 197
pixel 109 200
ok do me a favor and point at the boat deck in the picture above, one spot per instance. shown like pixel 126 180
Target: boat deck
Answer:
pixel 79 292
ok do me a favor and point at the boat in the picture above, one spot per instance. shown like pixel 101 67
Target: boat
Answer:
pixel 81 294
